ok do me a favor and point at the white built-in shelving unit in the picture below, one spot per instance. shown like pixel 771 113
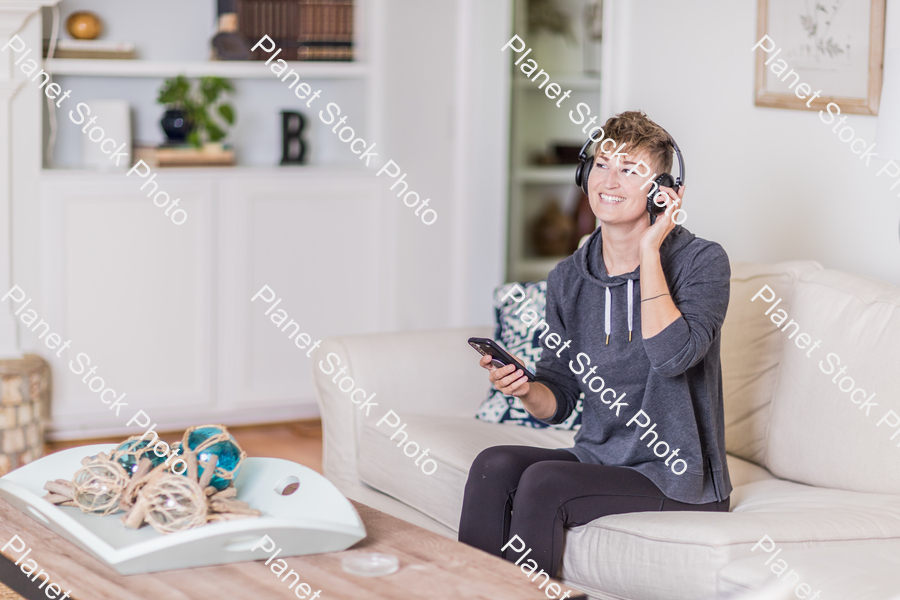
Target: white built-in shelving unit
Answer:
pixel 164 310
pixel 184 50
pixel 537 123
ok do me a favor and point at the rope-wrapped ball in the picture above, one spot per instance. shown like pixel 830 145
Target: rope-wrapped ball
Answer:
pixel 174 503
pixel 206 441
pixel 98 486
pixel 130 452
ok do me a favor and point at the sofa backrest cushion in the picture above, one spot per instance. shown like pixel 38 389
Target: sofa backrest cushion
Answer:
pixel 751 351
pixel 823 430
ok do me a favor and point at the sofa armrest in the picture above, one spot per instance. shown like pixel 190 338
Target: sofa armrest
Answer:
pixel 431 372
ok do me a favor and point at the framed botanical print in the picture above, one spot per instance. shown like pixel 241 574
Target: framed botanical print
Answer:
pixel 834 47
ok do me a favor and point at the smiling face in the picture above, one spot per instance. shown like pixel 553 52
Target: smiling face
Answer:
pixel 615 194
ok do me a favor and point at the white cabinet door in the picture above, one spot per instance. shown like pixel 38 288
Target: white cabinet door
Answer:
pixel 319 241
pixel 164 311
pixel 133 292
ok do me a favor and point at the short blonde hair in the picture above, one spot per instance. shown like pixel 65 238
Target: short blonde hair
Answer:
pixel 640 134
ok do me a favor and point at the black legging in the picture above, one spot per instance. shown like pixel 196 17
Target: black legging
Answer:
pixel 535 493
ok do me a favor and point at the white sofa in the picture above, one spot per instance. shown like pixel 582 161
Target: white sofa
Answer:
pixel 809 468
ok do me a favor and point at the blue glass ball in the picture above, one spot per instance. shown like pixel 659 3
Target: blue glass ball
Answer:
pixel 228 451
pixel 130 461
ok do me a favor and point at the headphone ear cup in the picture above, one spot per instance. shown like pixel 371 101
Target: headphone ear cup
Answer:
pixel 583 173
pixel 664 180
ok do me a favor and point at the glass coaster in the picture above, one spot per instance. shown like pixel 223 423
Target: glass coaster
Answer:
pixel 370 564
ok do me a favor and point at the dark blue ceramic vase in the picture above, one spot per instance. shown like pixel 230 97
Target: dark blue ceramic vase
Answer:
pixel 176 126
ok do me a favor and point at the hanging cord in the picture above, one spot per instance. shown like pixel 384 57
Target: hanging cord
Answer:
pixel 608 309
pixel 630 306
pixel 51 140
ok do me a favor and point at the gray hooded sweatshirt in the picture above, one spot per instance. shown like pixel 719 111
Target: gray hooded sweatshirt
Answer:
pixel 675 377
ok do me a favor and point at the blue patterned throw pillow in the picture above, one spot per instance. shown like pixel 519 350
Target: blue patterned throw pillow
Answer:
pixel 513 334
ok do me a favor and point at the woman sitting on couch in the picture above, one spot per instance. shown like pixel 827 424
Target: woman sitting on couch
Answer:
pixel 632 271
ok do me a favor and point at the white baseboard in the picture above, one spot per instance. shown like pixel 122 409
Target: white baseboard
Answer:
pixel 75 428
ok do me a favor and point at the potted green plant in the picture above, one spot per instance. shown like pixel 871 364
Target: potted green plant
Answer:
pixel 196 116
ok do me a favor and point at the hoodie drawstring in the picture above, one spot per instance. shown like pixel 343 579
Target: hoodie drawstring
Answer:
pixel 608 308
pixel 608 311
pixel 630 306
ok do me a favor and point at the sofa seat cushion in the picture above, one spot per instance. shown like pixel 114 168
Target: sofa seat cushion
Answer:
pixel 671 556
pixel 862 571
pixel 454 443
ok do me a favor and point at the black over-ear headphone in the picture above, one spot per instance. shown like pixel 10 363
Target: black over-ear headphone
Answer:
pixel 586 163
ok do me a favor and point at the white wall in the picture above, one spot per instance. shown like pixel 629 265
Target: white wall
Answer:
pixel 432 88
pixel 482 146
pixel 768 184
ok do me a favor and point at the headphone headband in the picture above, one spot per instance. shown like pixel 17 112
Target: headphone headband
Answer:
pixel 680 180
pixel 582 154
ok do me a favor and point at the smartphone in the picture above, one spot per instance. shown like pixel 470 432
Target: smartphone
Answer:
pixel 501 358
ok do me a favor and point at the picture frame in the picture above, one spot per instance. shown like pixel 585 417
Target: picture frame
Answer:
pixel 836 47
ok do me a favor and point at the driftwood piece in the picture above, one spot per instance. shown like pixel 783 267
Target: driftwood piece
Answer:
pixel 213 517
pixel 209 470
pixel 225 506
pixel 56 499
pixel 225 494
pixel 143 468
pixel 192 465
pixel 128 495
pixel 65 489
pixel 135 517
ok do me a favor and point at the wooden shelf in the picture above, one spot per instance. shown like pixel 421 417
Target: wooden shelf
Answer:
pixel 546 175
pixel 169 68
pixel 576 83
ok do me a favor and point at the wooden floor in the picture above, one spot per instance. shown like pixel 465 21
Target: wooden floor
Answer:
pixel 298 441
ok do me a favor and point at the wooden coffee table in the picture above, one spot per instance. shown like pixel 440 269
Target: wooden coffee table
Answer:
pixel 431 566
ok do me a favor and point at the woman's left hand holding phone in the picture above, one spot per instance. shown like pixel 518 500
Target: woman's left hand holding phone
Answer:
pixel 509 379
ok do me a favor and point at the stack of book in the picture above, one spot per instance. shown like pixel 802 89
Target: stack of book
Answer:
pixel 66 48
pixel 304 29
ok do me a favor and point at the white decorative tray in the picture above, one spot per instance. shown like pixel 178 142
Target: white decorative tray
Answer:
pixel 316 518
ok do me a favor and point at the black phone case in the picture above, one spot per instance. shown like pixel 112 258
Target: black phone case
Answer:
pixel 487 346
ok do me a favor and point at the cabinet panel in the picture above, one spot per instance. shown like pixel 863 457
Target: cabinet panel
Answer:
pixel 133 291
pixel 318 245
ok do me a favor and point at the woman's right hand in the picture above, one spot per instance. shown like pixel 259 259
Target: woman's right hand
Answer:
pixel 509 379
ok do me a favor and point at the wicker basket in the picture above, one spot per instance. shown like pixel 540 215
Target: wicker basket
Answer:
pixel 24 409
